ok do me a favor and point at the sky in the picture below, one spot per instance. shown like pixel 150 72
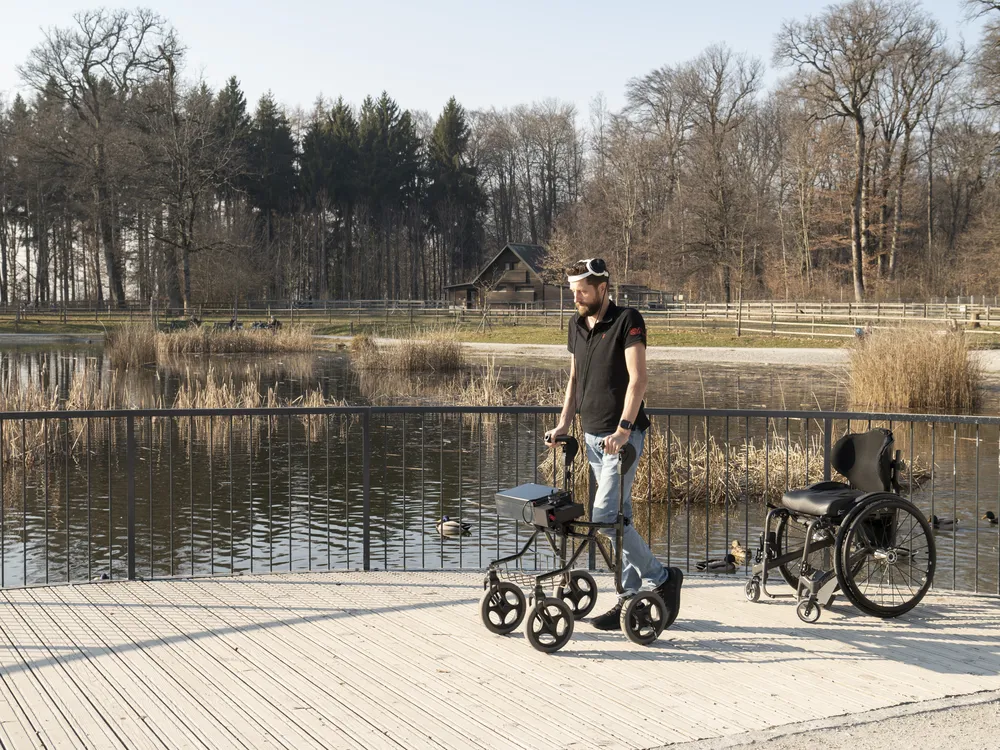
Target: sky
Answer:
pixel 485 53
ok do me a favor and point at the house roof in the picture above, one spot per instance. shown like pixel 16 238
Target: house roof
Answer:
pixel 531 255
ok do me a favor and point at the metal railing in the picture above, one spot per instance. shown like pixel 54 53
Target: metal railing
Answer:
pixel 162 493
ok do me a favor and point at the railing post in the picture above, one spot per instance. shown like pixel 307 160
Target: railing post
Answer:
pixel 366 504
pixel 827 449
pixel 130 499
pixel 591 498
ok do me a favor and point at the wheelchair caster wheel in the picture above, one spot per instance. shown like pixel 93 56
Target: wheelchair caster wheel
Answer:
pixel 502 608
pixel 549 625
pixel 643 617
pixel 580 594
pixel 808 611
pixel 752 589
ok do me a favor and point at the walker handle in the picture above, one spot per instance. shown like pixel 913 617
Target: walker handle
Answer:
pixel 626 457
pixel 570 447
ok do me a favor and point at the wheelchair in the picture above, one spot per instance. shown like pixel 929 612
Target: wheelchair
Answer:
pixel 861 539
pixel 555 517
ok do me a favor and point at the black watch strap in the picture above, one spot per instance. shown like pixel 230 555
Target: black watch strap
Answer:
pixel 626 425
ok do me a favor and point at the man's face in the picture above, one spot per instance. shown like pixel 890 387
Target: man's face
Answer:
pixel 587 297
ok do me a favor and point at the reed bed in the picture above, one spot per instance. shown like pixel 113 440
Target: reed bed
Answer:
pixel 24 446
pixel 438 351
pixel 697 470
pixel 247 341
pixel 222 391
pixel 915 369
pixel 137 345
pixel 131 345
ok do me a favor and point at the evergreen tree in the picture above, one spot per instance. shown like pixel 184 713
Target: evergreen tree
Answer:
pixel 271 156
pixel 454 197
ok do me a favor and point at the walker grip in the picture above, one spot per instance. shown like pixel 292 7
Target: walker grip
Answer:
pixel 626 457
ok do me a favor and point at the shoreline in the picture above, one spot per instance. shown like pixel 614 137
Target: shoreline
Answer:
pixel 773 356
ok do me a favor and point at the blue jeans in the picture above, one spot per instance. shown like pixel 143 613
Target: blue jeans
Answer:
pixel 638 562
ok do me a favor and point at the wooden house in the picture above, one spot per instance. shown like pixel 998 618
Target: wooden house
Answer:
pixel 512 278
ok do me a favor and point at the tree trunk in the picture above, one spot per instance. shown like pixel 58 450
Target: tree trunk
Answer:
pixel 4 296
pixel 858 243
pixel 930 205
pixel 897 207
pixel 116 288
pixel 171 281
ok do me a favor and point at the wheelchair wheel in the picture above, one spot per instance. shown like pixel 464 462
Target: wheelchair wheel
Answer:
pixel 808 611
pixel 502 608
pixel 752 589
pixel 790 535
pixel 549 625
pixel 885 556
pixel 580 594
pixel 643 617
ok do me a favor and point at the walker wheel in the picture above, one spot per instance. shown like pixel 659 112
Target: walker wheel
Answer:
pixel 502 608
pixel 752 589
pixel 580 594
pixel 808 610
pixel 643 617
pixel 549 625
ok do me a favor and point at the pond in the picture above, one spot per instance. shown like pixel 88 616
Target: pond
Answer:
pixel 227 494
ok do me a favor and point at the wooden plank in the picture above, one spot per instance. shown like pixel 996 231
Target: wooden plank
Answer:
pixel 540 693
pixel 152 677
pixel 466 681
pixel 20 671
pixel 16 728
pixel 94 671
pixel 35 633
pixel 285 688
pixel 381 695
pixel 222 699
pixel 395 660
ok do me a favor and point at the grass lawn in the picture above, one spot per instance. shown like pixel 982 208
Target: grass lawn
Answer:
pixel 28 325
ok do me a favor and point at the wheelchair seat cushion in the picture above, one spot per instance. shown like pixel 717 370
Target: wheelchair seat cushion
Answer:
pixel 822 499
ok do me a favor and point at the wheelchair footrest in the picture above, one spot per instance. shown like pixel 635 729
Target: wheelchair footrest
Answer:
pixel 821 584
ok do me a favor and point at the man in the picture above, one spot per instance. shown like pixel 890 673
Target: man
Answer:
pixel 607 382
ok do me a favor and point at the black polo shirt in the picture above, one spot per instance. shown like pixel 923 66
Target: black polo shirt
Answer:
pixel 601 373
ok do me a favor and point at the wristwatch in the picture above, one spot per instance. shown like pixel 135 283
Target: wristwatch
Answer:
pixel 626 425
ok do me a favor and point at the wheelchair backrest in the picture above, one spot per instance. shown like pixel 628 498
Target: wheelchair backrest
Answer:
pixel 865 459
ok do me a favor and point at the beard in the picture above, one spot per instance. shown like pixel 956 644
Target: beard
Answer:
pixel 589 310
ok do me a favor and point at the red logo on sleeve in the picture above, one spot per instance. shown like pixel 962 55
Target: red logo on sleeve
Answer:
pixel 636 332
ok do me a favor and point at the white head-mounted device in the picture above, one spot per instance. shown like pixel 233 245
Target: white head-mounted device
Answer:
pixel 595 267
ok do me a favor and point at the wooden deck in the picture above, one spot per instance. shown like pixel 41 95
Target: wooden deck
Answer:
pixel 400 660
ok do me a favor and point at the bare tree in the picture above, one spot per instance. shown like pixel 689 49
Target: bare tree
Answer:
pixel 920 67
pixel 723 86
pixel 94 67
pixel 839 57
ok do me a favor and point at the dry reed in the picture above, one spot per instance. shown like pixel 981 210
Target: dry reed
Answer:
pixel 438 351
pixel 703 471
pixel 247 341
pixel 909 369
pixel 131 345
pixel 24 446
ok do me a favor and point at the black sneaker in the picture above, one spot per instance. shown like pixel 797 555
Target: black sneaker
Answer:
pixel 670 592
pixel 610 620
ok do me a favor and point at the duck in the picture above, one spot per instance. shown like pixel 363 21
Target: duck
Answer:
pixel 725 564
pixel 448 527
pixel 943 523
pixel 991 517
pixel 739 552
